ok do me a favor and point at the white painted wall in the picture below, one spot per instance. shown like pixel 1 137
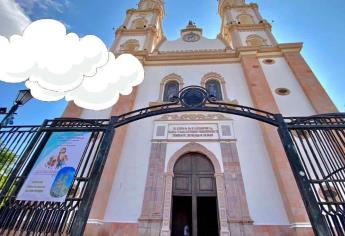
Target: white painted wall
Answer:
pixel 264 199
pixel 202 44
pixel 279 75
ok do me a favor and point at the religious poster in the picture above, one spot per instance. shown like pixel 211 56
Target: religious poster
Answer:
pixel 53 172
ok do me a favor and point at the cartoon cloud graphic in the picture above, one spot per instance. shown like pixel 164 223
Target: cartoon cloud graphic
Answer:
pixel 57 65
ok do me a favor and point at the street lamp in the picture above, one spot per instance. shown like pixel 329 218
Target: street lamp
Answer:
pixel 23 97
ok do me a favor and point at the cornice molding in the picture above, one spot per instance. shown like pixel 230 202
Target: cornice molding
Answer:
pixel 153 10
pixel 213 57
pixel 126 31
pixel 245 27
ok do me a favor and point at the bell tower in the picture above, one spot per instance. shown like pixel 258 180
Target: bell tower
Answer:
pixel 141 30
pixel 243 26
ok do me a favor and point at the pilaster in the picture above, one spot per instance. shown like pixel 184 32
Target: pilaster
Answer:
pixel 263 99
pixel 237 207
pixel 152 211
pixel 72 111
pixel 309 83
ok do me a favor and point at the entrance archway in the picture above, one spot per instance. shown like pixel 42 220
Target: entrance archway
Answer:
pixel 312 146
pixel 218 176
pixel 194 205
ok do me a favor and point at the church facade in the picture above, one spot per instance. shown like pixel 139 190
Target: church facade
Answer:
pixel 200 173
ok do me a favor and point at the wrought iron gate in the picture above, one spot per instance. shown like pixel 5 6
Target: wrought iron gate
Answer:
pixel 20 147
pixel 315 148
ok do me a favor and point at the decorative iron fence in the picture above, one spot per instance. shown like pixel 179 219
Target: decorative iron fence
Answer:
pixel 320 144
pixel 14 141
pixel 22 146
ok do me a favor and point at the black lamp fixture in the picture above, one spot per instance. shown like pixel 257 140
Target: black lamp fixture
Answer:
pixel 23 97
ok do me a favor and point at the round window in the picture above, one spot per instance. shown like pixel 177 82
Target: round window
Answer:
pixel 269 61
pixel 283 91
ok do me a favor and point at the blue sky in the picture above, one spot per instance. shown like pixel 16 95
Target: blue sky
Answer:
pixel 318 24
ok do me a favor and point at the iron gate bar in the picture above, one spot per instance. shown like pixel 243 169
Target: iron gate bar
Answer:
pixel 22 160
pixel 79 223
pixel 320 226
pixel 47 217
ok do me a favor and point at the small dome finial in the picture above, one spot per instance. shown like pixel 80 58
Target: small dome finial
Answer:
pixel 191 24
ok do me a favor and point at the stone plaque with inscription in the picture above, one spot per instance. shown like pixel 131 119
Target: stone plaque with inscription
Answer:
pixel 193 131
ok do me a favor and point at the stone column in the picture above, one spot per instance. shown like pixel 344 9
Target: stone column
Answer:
pixel 263 99
pixel 166 231
pixel 222 212
pixel 152 211
pixel 237 206
pixel 317 95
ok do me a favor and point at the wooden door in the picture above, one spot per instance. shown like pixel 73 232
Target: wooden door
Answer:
pixel 193 177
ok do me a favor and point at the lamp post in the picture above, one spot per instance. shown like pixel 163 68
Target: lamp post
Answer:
pixel 23 97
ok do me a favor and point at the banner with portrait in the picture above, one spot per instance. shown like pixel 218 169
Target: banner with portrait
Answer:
pixel 55 168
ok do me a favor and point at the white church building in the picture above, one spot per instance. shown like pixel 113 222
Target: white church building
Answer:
pixel 205 173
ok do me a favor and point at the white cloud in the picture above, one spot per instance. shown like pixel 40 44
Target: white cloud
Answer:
pixel 55 65
pixel 12 18
pixel 101 91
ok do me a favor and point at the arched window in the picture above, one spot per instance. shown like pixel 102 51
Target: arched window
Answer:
pixel 138 23
pixel 255 41
pixel 245 19
pixel 171 89
pixel 214 89
pixel 130 45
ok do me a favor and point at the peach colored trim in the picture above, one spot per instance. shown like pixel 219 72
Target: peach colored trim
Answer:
pixel 274 230
pixel 263 99
pixel 112 228
pixel 159 44
pixel 152 208
pixel 125 104
pixel 237 205
pixel 194 147
pixel 127 20
pixel 309 83
pixel 72 111
pixel 253 27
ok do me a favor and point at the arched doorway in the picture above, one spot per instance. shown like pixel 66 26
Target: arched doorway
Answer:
pixel 194 203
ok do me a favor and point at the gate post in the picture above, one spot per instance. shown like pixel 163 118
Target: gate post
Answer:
pixel 317 220
pixel 83 212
